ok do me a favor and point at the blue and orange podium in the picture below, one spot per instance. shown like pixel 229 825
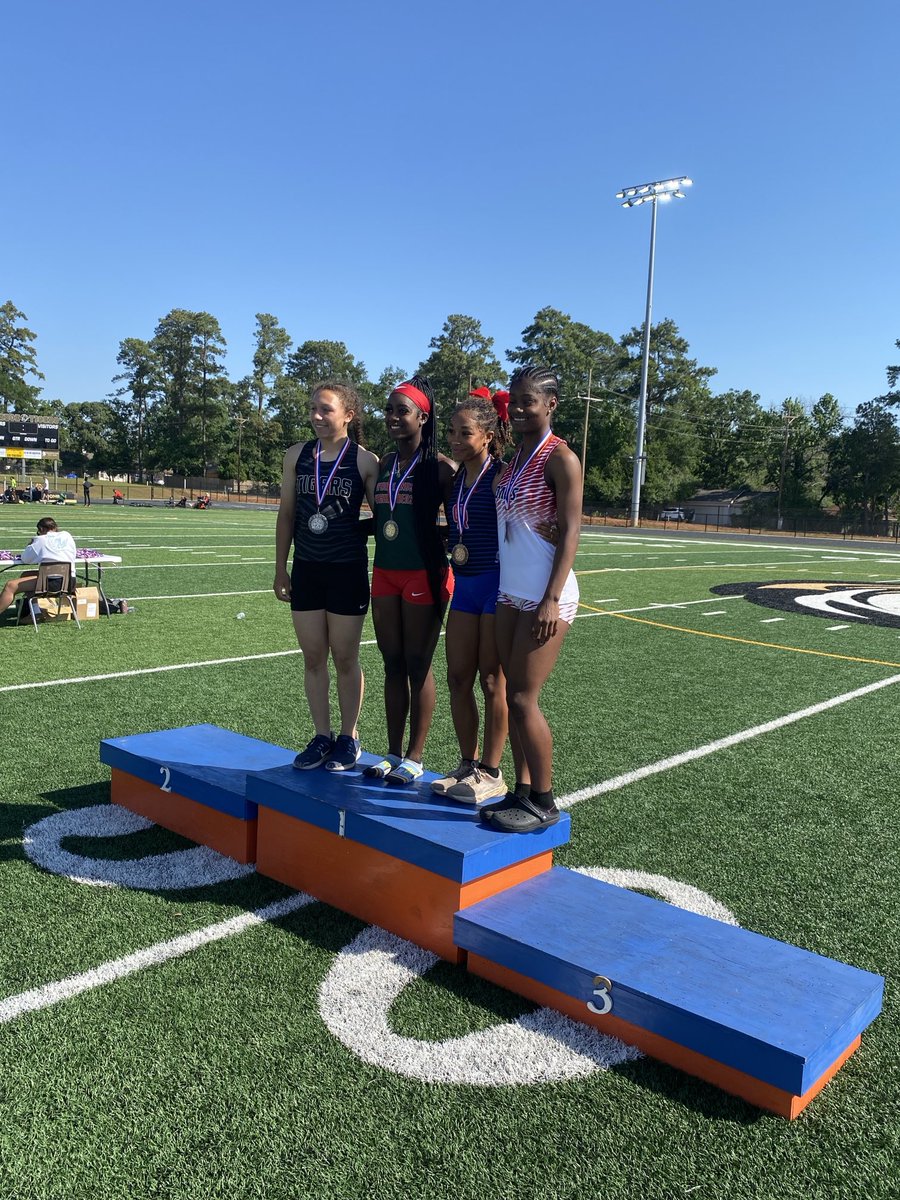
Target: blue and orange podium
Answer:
pixel 761 1019
pixel 401 858
pixel 193 781
pixel 766 1021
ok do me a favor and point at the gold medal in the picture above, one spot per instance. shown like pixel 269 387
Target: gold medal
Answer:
pixel 390 529
pixel 459 555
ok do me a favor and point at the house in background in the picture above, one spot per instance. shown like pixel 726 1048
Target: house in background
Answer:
pixel 723 506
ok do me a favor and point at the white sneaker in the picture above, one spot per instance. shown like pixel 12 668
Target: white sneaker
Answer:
pixel 442 786
pixel 477 787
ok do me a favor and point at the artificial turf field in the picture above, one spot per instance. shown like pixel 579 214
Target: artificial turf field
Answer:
pixel 159 1039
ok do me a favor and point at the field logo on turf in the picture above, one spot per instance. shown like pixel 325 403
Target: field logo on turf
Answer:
pixel 870 603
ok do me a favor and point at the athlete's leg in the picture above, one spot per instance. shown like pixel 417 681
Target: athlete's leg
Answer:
pixel 493 687
pixel 505 622
pixel 527 669
pixel 421 630
pixel 389 635
pixel 462 666
pixel 344 634
pixel 312 634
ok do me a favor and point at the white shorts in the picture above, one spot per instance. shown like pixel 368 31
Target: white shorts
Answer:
pixel 567 608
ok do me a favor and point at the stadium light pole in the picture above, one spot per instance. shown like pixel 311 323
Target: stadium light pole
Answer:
pixel 631 197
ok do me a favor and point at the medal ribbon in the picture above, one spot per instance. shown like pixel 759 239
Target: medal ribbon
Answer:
pixel 394 492
pixel 321 493
pixel 516 472
pixel 463 497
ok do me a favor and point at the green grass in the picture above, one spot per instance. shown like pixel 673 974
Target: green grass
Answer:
pixel 215 1075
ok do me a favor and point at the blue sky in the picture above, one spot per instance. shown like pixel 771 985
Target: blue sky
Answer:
pixel 362 170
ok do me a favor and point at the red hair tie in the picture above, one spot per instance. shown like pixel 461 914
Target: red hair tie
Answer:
pixel 482 393
pixel 411 392
pixel 500 401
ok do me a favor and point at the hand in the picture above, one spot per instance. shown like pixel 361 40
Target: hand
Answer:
pixel 282 586
pixel 546 617
pixel 549 531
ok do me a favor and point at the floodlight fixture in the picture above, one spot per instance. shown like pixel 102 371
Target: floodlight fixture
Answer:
pixel 631 197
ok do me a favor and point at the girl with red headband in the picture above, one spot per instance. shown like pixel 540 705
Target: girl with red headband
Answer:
pixel 538 591
pixel 328 587
pixel 478 433
pixel 411 580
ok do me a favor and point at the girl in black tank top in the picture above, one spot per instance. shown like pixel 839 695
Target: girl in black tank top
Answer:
pixel 322 489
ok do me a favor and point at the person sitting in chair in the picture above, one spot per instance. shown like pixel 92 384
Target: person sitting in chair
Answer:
pixel 52 544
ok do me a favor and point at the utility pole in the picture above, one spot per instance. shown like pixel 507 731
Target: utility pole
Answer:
pixel 788 422
pixel 240 422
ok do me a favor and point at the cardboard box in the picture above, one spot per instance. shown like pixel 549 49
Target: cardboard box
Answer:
pixel 87 605
pixel 87 602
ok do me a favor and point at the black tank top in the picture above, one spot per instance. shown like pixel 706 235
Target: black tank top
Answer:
pixel 341 541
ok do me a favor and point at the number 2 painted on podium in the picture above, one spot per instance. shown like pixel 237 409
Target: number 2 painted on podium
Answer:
pixel 167 775
pixel 602 989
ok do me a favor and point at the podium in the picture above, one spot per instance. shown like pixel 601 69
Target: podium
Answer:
pixel 761 1019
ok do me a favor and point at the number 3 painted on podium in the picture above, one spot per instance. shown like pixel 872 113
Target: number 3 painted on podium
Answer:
pixel 602 988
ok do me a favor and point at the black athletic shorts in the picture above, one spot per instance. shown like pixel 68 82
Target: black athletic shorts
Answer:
pixel 339 588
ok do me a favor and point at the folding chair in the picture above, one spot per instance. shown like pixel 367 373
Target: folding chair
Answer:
pixel 54 581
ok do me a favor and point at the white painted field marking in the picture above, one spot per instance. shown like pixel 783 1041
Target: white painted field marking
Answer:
pixel 741 566
pixel 150 956
pixel 834 628
pixel 716 612
pixel 734 739
pixel 247 562
pixel 617 612
pixel 210 662
pixel 772 620
pixel 203 595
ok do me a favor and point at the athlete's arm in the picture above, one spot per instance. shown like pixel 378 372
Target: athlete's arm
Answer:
pixel 563 473
pixel 284 524
pixel 446 475
pixel 368 465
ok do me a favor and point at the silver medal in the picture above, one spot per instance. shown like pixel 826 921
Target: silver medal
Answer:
pixel 317 523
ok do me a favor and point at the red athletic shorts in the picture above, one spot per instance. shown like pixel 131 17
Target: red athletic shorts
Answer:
pixel 411 586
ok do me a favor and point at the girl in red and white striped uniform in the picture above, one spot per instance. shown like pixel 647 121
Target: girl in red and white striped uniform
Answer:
pixel 538 591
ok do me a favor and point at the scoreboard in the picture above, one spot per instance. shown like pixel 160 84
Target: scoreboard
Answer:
pixel 28 437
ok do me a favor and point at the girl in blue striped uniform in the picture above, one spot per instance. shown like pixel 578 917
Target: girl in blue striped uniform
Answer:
pixel 477 437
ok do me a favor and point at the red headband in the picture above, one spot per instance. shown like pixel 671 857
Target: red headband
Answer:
pixel 482 393
pixel 500 401
pixel 411 392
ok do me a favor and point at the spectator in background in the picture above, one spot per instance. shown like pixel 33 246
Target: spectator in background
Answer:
pixel 86 486
pixel 45 490
pixel 52 544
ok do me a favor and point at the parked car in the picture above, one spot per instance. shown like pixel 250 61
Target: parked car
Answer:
pixel 672 514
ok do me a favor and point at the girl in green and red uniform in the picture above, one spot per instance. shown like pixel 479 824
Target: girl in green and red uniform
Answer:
pixel 411 579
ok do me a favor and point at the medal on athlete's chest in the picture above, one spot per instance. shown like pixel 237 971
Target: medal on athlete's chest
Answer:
pixel 459 555
pixel 390 529
pixel 318 522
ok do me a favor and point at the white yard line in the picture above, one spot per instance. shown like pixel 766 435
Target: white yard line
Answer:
pixel 202 595
pixel 150 956
pixel 733 739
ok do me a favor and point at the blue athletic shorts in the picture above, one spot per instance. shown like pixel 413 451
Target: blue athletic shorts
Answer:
pixel 476 593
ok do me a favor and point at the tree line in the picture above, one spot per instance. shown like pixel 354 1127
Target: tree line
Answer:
pixel 173 407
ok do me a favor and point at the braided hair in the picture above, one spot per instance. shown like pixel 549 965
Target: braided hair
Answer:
pixel 427 496
pixel 542 378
